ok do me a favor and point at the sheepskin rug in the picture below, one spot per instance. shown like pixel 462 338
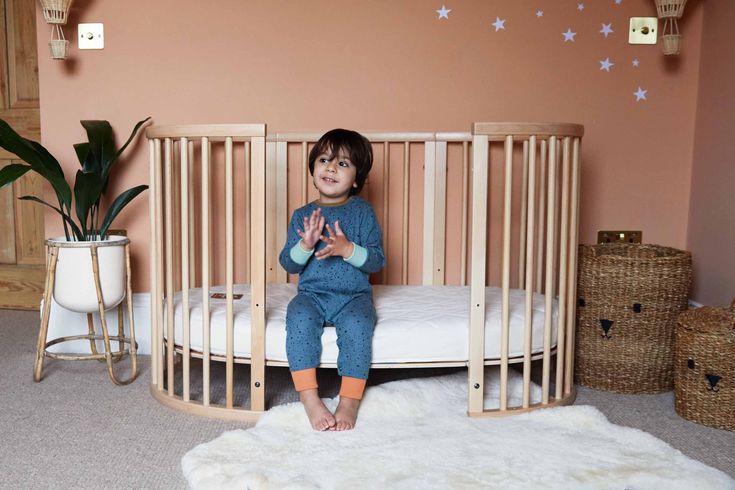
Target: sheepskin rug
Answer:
pixel 415 434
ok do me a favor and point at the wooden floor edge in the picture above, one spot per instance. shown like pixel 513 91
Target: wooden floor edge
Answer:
pixel 567 400
pixel 196 408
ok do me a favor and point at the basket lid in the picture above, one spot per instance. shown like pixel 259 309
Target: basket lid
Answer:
pixel 633 252
pixel 709 319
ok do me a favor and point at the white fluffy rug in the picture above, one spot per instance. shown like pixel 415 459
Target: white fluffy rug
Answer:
pixel 415 434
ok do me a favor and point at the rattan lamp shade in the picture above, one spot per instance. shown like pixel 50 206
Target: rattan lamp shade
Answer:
pixel 56 11
pixel 670 11
pixel 670 8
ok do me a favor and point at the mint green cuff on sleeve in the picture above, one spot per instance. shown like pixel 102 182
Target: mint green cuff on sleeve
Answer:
pixel 359 256
pixel 299 255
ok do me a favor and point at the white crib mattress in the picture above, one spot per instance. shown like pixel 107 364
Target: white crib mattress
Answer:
pixel 415 323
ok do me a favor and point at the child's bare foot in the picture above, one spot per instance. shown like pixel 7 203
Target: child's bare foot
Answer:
pixel 319 415
pixel 346 413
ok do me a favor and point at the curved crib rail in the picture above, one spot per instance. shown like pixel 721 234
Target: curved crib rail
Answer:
pixel 179 261
pixel 187 243
pixel 553 253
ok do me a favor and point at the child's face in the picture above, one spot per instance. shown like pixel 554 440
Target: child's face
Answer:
pixel 334 176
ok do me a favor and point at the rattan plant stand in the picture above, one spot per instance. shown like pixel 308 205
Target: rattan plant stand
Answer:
pixel 108 356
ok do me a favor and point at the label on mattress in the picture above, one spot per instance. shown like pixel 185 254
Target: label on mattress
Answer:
pixel 224 296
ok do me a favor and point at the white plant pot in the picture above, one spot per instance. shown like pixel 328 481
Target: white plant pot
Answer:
pixel 74 286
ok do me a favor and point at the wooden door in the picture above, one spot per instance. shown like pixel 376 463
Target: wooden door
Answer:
pixel 22 268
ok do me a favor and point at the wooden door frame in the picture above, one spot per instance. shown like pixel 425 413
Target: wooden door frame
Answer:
pixel 21 223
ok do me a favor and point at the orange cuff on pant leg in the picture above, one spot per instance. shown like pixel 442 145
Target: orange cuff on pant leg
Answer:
pixel 305 379
pixel 352 387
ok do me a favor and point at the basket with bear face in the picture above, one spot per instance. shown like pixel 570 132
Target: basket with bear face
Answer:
pixel 705 366
pixel 629 297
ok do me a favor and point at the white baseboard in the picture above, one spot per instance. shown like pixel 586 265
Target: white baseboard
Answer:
pixel 64 323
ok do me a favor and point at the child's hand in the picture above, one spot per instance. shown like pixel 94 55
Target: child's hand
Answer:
pixel 337 244
pixel 312 229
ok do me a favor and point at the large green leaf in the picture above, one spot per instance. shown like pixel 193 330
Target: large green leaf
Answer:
pixel 15 143
pixel 11 173
pixel 87 190
pixel 38 158
pixel 101 144
pixel 132 135
pixel 77 232
pixel 117 205
pixel 84 156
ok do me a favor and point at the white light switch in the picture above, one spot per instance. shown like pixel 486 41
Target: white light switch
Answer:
pixel 91 36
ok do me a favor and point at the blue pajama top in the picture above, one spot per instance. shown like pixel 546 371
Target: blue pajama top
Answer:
pixel 334 277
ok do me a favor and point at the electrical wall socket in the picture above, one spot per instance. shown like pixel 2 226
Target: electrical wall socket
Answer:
pixel 614 236
pixel 643 30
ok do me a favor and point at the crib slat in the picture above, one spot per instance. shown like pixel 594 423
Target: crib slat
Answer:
pixel 505 308
pixel 386 200
pixel 176 224
pixel 205 273
pixel 281 207
pixel 550 252
pixel 561 352
pixel 463 227
pixel 530 241
pixel 186 325
pixel 246 206
pixel 159 267
pixel 152 197
pixel 524 212
pixel 477 286
pixel 257 267
pixel 573 245
pixel 304 173
pixel 192 222
pixel 168 150
pixel 429 221
pixel 556 158
pixel 541 217
pixel 406 190
pixel 275 152
pixel 229 270
pixel 440 206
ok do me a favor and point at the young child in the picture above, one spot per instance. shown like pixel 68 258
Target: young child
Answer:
pixel 333 268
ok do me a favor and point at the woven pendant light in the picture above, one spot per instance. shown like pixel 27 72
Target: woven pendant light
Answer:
pixel 670 11
pixel 56 11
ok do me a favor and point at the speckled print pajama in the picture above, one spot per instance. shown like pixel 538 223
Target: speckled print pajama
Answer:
pixel 334 290
pixel 354 319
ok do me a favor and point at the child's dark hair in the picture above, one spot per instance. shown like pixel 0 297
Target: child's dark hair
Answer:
pixel 353 144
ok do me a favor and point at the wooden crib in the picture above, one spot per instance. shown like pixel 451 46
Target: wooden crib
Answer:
pixel 221 197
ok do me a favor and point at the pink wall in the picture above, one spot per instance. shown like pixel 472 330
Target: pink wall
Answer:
pixel 382 65
pixel 711 233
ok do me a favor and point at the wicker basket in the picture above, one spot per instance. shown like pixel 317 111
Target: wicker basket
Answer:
pixel 670 8
pixel 629 297
pixel 56 11
pixel 671 44
pixel 59 48
pixel 704 377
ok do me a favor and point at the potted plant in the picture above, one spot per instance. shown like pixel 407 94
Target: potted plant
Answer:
pixel 74 286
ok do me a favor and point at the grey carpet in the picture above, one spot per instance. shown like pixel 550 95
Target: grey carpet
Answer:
pixel 75 429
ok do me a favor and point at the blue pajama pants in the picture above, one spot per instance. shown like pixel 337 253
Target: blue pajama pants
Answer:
pixel 354 321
